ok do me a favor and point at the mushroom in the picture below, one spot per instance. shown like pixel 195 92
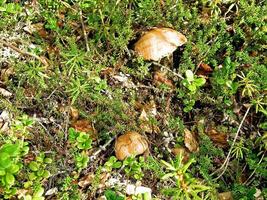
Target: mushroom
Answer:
pixel 131 143
pixel 158 43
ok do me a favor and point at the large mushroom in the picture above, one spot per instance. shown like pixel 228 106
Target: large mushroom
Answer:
pixel 131 143
pixel 158 43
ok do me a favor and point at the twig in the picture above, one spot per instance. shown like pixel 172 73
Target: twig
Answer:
pixel 101 148
pixel 226 162
pixel 68 6
pixel 84 32
pixel 162 66
pixel 11 46
pixel 247 182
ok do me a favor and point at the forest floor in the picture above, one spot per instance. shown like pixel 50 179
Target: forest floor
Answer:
pixel 71 84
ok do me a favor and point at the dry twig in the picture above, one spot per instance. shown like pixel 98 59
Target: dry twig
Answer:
pixel 226 162
pixel 102 148
pixel 84 31
pixel 166 68
pixel 24 53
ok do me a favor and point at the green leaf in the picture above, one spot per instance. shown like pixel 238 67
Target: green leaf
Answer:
pixel 28 197
pixel 32 176
pixel 38 198
pixel 13 169
pixel 111 195
pixel 168 165
pixel 27 184
pixel 168 175
pixel 73 134
pixel 11 149
pixel 5 160
pixel 40 157
pixel 48 160
pixel 10 179
pixel 46 174
pixel 192 87
pixel 34 166
pixel 83 137
pixel 25 150
pixel 40 172
pixel 2 172
pixel 39 192
pixel 116 165
pixel 200 81
pixel 85 145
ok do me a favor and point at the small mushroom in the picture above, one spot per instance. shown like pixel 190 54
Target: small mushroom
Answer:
pixel 158 43
pixel 131 143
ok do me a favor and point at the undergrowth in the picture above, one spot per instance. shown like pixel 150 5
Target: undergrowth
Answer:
pixel 80 56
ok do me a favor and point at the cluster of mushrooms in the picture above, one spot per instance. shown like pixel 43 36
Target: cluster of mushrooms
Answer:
pixel 153 45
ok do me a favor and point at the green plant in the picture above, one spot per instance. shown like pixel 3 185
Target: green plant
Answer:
pixel 38 170
pixel 223 80
pixel 111 195
pixel 38 192
pixel 81 160
pixel 22 125
pixel 69 190
pixel 11 156
pixel 83 142
pixel 133 167
pixel 34 74
pixel 80 139
pixel 249 88
pixel 82 86
pixel 239 149
pixel 186 186
pixel 192 84
pixel 112 163
pixel 260 104
pixel 9 8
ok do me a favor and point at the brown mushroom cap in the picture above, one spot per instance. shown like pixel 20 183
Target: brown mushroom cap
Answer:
pixel 158 43
pixel 131 143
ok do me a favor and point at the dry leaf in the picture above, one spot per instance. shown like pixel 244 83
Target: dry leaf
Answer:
pixel 158 43
pixel 84 125
pixel 205 67
pixel 21 193
pixel 204 70
pixel 28 158
pixel 190 141
pixel 74 113
pixel 86 180
pixel 144 122
pixel 4 121
pixel 225 196
pixel 29 92
pixel 146 125
pixel 108 71
pixel 5 93
pixel 160 78
pixel 220 139
pixel 131 143
pixel 103 179
pixel 124 79
pixel 180 150
pixel 148 110
pixel 5 73
pixel 51 191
